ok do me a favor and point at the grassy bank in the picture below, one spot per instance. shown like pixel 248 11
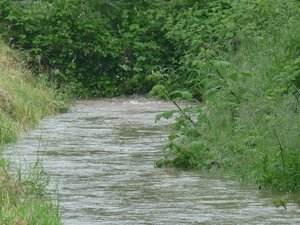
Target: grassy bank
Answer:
pixel 24 100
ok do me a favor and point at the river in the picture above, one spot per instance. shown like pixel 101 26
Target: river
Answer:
pixel 101 155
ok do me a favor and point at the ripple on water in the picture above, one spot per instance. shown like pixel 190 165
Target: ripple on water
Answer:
pixel 102 155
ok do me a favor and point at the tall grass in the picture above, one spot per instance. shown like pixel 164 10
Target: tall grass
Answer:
pixel 24 100
pixel 23 197
pixel 268 129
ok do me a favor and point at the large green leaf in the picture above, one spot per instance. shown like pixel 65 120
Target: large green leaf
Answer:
pixel 182 94
pixel 166 115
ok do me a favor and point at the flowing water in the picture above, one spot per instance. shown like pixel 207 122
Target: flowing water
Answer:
pixel 101 154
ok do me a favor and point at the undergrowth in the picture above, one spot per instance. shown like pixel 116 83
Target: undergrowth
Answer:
pixel 248 121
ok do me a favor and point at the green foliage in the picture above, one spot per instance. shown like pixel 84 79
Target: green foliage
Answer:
pixel 98 48
pixel 104 48
pixel 280 202
pixel 240 58
pixel 248 120
pixel 62 38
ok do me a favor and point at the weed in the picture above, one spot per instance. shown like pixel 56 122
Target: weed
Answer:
pixel 280 202
pixel 247 122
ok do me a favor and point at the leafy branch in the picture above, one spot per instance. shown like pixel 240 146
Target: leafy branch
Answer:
pixel 161 90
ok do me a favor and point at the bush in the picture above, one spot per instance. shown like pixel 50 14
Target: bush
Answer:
pixel 248 120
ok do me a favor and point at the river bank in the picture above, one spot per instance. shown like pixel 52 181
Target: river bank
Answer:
pixel 24 100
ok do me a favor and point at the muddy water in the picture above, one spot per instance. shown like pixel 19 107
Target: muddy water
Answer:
pixel 101 154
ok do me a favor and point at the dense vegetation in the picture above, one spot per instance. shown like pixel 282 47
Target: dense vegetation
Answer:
pixel 240 58
pixel 108 47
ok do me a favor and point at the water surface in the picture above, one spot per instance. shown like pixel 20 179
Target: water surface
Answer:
pixel 101 154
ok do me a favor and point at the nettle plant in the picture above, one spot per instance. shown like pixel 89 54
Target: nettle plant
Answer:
pixel 192 147
pixel 237 127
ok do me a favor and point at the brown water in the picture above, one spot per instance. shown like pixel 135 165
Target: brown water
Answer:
pixel 101 154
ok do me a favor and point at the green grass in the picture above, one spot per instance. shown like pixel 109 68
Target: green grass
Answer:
pixel 24 100
pixel 23 198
